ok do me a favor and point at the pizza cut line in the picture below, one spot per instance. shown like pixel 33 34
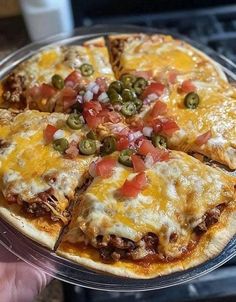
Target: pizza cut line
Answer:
pixel 98 139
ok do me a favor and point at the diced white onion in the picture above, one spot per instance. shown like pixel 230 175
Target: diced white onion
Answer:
pixel 59 134
pixel 147 131
pixel 149 161
pixel 95 89
pixel 91 85
pixel 103 98
pixel 134 136
pixel 152 96
pixel 88 96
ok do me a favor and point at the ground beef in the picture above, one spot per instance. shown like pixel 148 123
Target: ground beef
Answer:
pixel 210 218
pixel 14 88
pixel 116 248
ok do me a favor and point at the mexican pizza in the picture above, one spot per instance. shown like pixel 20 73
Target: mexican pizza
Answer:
pixel 96 146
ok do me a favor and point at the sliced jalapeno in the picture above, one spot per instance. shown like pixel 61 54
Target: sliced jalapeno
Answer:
pixel 125 157
pixel 92 135
pixel 117 86
pixel 109 145
pixel 159 141
pixel 86 69
pixel 57 81
pixel 75 121
pixel 128 109
pixel 87 146
pixel 128 80
pixel 128 95
pixel 139 85
pixel 138 103
pixel 191 100
pixel 114 96
pixel 60 145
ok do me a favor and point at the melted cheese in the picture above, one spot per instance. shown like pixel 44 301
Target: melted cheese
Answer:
pixel 162 53
pixel 63 60
pixel 27 164
pixel 179 192
pixel 216 112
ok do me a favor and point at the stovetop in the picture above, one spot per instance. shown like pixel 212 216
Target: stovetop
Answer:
pixel 215 27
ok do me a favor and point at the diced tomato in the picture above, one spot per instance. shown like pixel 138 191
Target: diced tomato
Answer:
pixel 68 96
pixel 159 108
pixel 34 91
pixel 138 163
pixel 122 143
pixel 172 76
pixel 169 127
pixel 48 133
pixel 203 138
pixel 187 86
pixel 154 87
pixel 157 154
pixel 92 120
pixel 156 125
pixel 105 166
pixel 146 147
pixel 47 91
pixel 96 106
pixel 131 188
pixel 72 79
pixel 148 74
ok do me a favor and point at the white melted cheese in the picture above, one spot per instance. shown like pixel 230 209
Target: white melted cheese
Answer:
pixel 179 192
pixel 28 166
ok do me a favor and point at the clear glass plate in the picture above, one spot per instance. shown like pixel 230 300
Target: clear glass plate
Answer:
pixel 66 270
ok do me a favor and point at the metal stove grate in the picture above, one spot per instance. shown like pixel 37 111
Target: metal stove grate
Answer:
pixel 215 27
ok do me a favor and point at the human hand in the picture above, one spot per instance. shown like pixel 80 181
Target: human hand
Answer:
pixel 19 281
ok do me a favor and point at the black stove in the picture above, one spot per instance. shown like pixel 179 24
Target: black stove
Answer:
pixel 215 27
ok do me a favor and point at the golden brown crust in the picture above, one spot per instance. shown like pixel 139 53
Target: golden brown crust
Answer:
pixel 41 229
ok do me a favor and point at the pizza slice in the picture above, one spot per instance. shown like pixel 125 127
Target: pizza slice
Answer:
pixel 200 119
pixel 43 160
pixel 51 79
pixel 161 56
pixel 142 223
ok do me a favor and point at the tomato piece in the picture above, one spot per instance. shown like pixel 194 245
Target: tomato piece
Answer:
pixel 203 138
pixel 146 147
pixel 169 127
pixel 72 79
pixel 92 120
pixel 159 108
pixel 34 91
pixel 122 143
pixel 157 154
pixel 131 188
pixel 187 86
pixel 156 125
pixel 105 166
pixel 48 133
pixel 138 163
pixel 155 87
pixel 47 91
pixel 96 106
pixel 68 97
